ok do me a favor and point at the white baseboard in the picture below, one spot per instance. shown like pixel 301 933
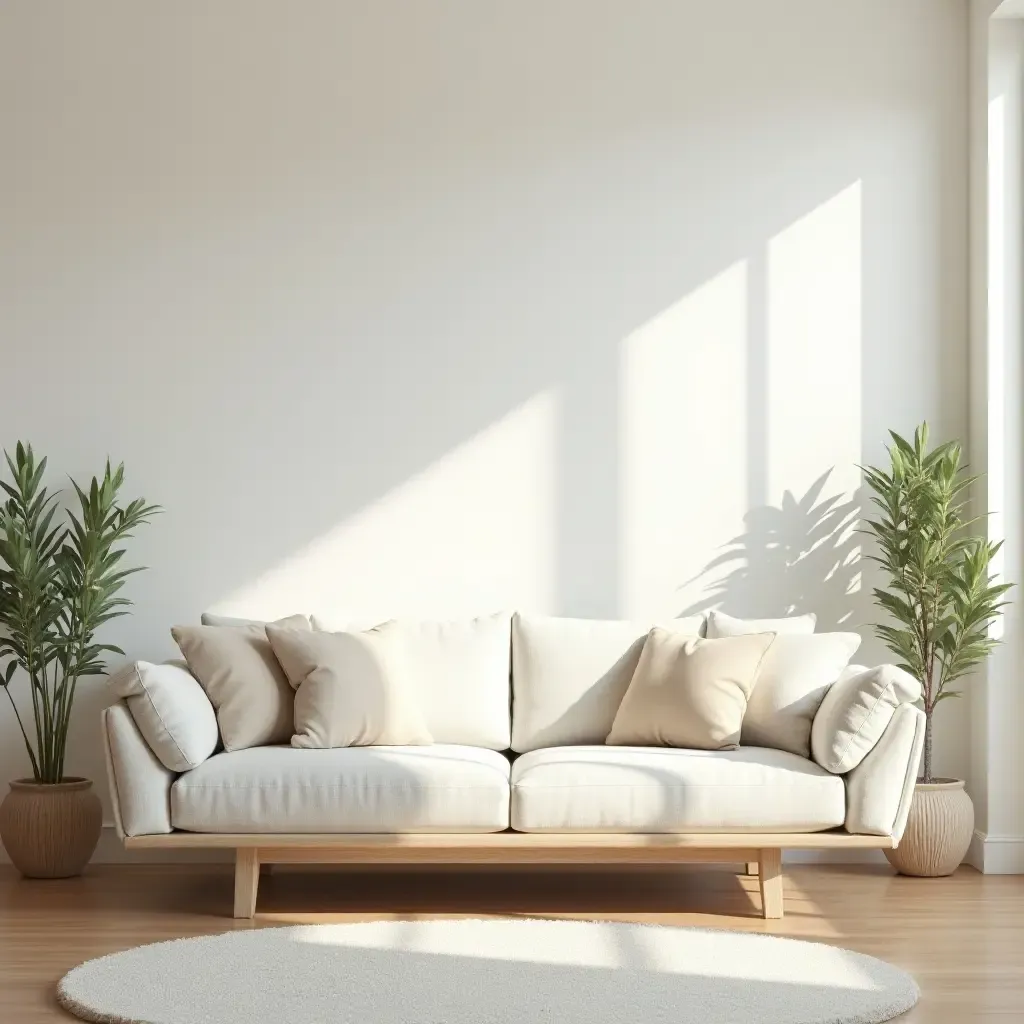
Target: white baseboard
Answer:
pixel 996 855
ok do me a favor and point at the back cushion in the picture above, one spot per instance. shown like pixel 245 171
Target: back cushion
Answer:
pixel 722 625
pixel 569 676
pixel 460 670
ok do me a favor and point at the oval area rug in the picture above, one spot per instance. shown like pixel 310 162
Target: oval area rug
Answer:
pixel 486 972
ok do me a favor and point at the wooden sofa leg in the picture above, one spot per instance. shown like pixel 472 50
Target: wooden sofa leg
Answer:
pixel 753 867
pixel 247 880
pixel 770 878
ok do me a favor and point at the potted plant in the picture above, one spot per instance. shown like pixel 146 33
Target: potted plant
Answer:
pixel 58 584
pixel 943 600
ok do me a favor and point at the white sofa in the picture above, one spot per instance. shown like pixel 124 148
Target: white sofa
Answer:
pixel 519 708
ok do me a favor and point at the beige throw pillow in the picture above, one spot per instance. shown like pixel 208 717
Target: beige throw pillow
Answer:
pixel 688 692
pixel 351 689
pixel 236 667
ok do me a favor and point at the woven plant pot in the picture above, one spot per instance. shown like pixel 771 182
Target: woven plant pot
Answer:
pixel 939 830
pixel 50 830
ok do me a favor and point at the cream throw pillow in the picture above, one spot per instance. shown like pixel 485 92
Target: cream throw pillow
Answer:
pixel 236 667
pixel 351 689
pixel 795 677
pixel 688 692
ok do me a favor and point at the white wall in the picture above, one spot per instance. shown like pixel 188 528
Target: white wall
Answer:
pixel 436 307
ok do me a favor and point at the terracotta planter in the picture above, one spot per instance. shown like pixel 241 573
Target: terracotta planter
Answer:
pixel 939 830
pixel 50 829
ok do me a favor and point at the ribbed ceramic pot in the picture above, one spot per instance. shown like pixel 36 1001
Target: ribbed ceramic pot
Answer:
pixel 939 830
pixel 50 830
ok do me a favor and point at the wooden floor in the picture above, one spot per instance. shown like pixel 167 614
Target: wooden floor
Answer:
pixel 961 937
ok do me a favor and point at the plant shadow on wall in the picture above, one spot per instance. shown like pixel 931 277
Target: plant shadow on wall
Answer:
pixel 800 556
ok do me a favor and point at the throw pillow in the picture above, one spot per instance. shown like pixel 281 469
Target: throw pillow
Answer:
pixel 236 667
pixel 796 674
pixel 171 711
pixel 688 692
pixel 213 619
pixel 856 711
pixel 352 689
pixel 720 624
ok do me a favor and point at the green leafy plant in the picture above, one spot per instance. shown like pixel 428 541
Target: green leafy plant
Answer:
pixel 58 584
pixel 940 591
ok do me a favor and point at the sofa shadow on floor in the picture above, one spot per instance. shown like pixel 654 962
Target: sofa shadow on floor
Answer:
pixel 543 891
pixel 800 556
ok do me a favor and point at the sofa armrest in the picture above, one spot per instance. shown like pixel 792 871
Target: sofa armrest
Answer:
pixel 140 786
pixel 880 788
pixel 171 710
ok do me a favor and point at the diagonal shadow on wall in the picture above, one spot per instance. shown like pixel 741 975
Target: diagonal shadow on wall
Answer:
pixel 799 556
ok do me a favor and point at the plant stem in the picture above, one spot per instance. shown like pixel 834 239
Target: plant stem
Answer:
pixel 926 761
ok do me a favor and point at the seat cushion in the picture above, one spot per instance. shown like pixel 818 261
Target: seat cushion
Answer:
pixel 442 788
pixel 569 675
pixel 643 789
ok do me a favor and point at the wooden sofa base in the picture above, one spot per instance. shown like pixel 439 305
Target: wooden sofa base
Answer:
pixel 761 854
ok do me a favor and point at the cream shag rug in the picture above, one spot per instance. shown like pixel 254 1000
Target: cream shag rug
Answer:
pixel 486 972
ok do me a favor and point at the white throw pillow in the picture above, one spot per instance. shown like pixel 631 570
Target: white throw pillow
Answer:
pixel 569 675
pixel 459 675
pixel 795 675
pixel 352 689
pixel 688 692
pixel 171 710
pixel 720 624
pixel 213 619
pixel 856 711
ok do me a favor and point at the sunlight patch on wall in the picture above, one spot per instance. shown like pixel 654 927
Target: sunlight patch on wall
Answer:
pixel 814 348
pixel 813 407
pixel 683 401
pixel 472 533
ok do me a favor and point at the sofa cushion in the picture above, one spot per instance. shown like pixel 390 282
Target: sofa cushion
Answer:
pixel 569 675
pixel 171 710
pixel 460 669
pixel 795 675
pixel 638 789
pixel 720 624
pixel 856 711
pixel 352 689
pixel 443 788
pixel 689 692
pixel 213 619
pixel 247 687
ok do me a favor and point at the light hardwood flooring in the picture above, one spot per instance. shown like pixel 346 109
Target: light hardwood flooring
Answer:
pixel 961 937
